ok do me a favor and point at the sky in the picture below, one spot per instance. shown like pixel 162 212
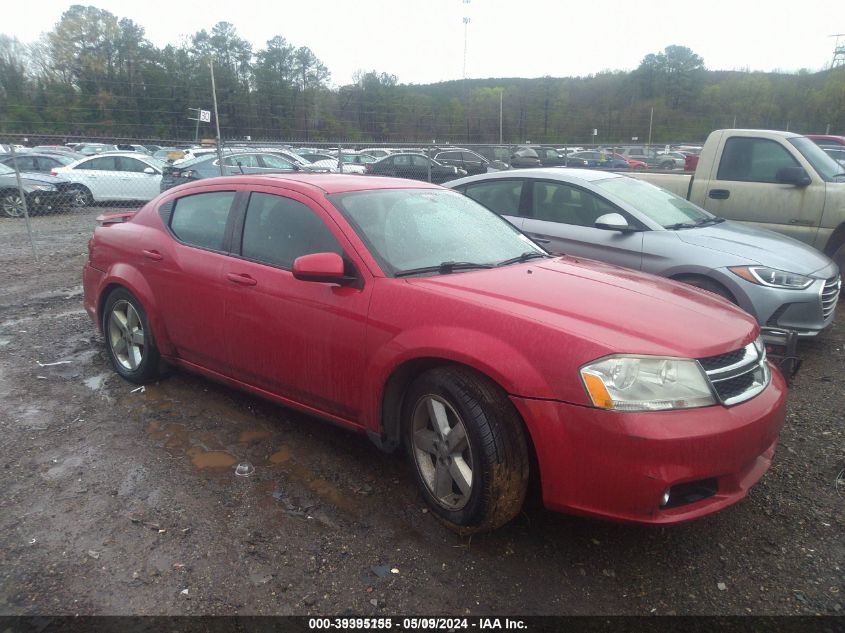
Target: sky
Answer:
pixel 423 41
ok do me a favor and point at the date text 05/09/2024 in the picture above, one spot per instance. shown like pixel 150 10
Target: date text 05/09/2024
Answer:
pixel 416 624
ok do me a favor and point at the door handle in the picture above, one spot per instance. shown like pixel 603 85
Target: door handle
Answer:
pixel 540 240
pixel 242 279
pixel 719 194
pixel 153 255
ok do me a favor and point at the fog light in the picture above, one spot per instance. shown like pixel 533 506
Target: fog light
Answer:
pixel 665 499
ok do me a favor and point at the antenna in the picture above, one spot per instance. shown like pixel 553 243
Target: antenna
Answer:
pixel 838 52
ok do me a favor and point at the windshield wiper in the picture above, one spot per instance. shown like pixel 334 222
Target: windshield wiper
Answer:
pixel 523 258
pixel 443 268
pixel 713 220
pixel 680 225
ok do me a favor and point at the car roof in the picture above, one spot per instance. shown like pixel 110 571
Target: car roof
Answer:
pixel 318 182
pixel 547 173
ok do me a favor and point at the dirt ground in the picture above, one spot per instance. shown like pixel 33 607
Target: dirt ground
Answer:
pixel 123 501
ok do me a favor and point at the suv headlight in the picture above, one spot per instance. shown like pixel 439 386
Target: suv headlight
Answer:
pixel 43 187
pixel 646 383
pixel 771 277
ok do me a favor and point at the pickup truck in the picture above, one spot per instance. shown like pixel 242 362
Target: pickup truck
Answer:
pixel 774 180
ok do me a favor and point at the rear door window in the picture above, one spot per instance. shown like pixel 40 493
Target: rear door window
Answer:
pixel 201 219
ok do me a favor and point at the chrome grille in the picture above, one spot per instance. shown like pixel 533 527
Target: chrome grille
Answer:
pixel 738 375
pixel 830 295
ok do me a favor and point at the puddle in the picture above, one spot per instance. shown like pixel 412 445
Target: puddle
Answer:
pixel 247 437
pixel 203 459
pixel 280 456
pixel 95 383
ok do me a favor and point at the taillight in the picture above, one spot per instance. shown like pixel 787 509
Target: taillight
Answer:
pixel 53 172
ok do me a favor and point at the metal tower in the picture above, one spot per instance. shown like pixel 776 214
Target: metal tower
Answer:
pixel 838 52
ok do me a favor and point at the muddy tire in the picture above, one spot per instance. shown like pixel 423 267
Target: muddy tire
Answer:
pixel 129 340
pixel 468 449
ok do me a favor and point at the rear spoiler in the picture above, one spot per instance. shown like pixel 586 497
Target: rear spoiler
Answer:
pixel 116 217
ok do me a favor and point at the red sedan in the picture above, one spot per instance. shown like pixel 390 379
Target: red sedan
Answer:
pixel 411 313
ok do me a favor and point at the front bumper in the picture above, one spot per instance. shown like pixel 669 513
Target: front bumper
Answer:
pixel 619 465
pixel 806 311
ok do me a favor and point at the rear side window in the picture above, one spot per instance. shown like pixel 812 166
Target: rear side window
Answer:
pixel 500 196
pixel 104 163
pixel 277 230
pixel 753 160
pixel 200 219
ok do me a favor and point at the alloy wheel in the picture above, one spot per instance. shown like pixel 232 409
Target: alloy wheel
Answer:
pixel 126 335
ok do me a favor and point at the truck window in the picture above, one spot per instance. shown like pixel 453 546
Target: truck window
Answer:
pixel 753 160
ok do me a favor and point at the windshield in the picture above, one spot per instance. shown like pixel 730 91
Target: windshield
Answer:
pixel 659 205
pixel 4 170
pixel 406 229
pixel 824 165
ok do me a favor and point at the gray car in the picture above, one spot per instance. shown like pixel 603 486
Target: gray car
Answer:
pixel 783 283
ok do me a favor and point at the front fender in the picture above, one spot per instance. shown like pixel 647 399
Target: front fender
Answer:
pixel 486 353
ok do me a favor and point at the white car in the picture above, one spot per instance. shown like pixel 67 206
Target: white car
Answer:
pixel 114 176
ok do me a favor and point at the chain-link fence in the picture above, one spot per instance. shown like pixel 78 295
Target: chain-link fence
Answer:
pixel 49 175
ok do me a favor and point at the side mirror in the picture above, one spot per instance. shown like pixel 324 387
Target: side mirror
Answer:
pixel 149 170
pixel 320 267
pixel 612 222
pixel 792 176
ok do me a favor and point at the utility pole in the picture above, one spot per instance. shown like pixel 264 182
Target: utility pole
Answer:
pixel 501 93
pixel 216 117
pixel 650 124
pixel 466 25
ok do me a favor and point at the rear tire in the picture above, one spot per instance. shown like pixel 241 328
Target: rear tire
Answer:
pixel 78 197
pixel 468 448
pixel 129 339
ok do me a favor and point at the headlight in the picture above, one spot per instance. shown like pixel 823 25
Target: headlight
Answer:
pixel 43 187
pixel 771 277
pixel 646 383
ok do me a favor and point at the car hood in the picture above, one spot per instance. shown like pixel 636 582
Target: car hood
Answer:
pixel 620 309
pixel 753 245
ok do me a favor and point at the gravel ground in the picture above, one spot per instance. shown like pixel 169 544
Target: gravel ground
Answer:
pixel 120 501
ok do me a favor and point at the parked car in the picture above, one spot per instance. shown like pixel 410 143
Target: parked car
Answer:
pixel 649 156
pixel 90 149
pixel 827 140
pixel 524 158
pixel 233 164
pixel 120 176
pixel 415 166
pixel 783 283
pixel 169 154
pixel 775 180
pixel 39 166
pixel 462 158
pixel 499 156
pixel 837 154
pixel 40 190
pixel 411 313
pixel 678 157
pixel 633 163
pixel 601 160
pixel 379 152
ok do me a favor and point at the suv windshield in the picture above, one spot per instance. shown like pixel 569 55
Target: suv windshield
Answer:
pixel 410 229
pixel 659 205
pixel 824 165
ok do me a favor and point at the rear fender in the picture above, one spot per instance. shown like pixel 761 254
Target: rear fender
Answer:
pixel 129 277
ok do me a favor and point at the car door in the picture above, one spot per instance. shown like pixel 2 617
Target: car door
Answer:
pixel 100 176
pixel 138 183
pixel 301 340
pixel 473 163
pixel 502 196
pixel 745 188
pixel 185 271
pixel 565 215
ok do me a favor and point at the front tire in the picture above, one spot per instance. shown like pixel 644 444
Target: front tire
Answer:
pixel 11 204
pixel 129 340
pixel 468 448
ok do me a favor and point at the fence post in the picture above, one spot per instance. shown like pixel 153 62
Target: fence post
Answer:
pixel 428 162
pixel 340 157
pixel 22 194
